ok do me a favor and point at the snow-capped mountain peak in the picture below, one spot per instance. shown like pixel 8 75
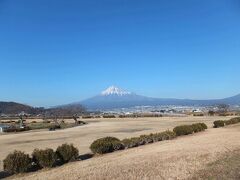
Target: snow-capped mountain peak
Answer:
pixel 113 90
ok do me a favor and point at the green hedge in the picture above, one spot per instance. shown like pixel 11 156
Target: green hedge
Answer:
pixel 204 126
pixel 106 145
pixel 233 121
pixel 147 139
pixel 198 127
pixel 189 129
pixel 117 145
pixel 183 130
pixel 221 123
pixel 166 135
pixel 132 142
pixel 218 124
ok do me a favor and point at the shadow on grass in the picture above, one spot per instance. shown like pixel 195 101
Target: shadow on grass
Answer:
pixel 4 174
pixel 85 157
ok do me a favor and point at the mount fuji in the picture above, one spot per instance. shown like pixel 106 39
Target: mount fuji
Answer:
pixel 114 97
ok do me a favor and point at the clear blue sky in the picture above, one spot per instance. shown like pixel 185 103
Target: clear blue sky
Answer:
pixel 57 51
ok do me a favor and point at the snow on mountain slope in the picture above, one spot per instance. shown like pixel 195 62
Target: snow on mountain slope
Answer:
pixel 115 91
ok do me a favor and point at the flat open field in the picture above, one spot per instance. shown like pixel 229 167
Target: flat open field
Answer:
pixel 213 154
pixel 83 136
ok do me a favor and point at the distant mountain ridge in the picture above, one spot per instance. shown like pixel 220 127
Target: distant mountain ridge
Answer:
pixel 15 108
pixel 114 97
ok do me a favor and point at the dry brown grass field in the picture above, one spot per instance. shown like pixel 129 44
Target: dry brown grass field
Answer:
pixel 176 159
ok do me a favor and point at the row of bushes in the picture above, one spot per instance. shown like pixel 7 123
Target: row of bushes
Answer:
pixel 148 139
pixel 221 123
pixel 233 121
pixel 109 116
pixel 97 116
pixel 122 116
pixel 19 162
pixel 110 144
pixel 189 129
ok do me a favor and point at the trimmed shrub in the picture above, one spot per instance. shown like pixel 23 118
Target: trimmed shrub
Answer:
pixel 117 145
pixel 197 128
pixel 101 147
pixel 44 158
pixel 17 162
pixel 183 130
pixel 132 142
pixel 156 137
pixel 167 135
pixel 147 139
pixel 67 153
pixel 233 121
pixel 138 141
pixel 218 124
pixel 105 145
pixel 204 126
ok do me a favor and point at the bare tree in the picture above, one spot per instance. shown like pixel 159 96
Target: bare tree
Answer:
pixel 223 108
pixel 75 117
pixel 21 117
pixel 211 113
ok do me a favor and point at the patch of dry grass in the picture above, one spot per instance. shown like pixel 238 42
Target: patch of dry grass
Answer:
pixel 225 168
